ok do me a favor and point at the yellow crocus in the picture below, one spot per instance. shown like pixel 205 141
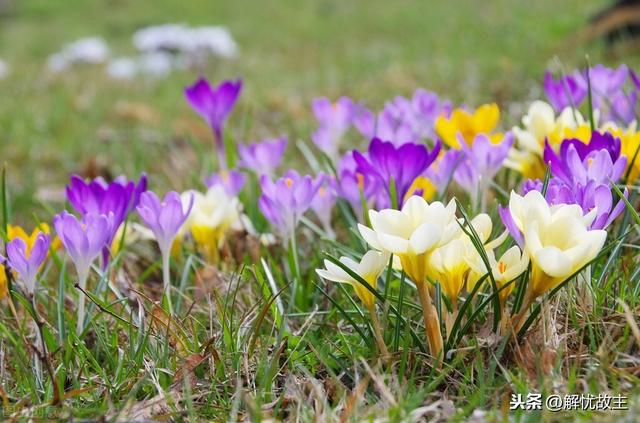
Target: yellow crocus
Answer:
pixel 423 184
pixel 466 124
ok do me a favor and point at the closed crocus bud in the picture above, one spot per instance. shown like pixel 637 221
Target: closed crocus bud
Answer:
pixel 26 260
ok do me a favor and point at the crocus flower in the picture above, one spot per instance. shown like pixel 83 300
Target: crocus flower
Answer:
pixel 324 200
pixel 590 196
pixel 482 121
pixel 118 197
pixel 400 165
pixel 481 162
pixel 605 82
pixel 213 214
pixel 164 217
pixel 232 181
pixel 598 160
pixel 566 91
pixel 263 157
pixel 350 183
pixel 413 233
pixel 369 269
pixel 214 105
pixel 402 119
pixel 557 238
pixel 440 173
pixel 83 240
pixel 335 120
pixel 284 201
pixel 623 107
pixel 26 260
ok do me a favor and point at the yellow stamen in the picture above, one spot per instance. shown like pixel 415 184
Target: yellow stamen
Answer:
pixel 502 267
pixel 289 182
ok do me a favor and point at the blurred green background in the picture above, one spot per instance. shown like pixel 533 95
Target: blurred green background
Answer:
pixel 290 52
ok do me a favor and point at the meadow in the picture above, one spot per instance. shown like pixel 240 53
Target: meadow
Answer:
pixel 380 211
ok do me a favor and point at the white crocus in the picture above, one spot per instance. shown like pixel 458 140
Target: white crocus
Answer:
pixel 413 233
pixel 368 268
pixel 557 238
pixel 214 213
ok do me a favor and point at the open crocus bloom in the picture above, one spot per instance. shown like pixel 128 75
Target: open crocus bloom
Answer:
pixel 482 121
pixel 412 233
pixel 369 268
pixel 556 238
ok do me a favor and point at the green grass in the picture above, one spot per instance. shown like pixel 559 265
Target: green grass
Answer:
pixel 242 346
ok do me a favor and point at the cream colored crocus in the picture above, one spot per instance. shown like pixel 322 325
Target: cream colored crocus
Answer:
pixel 214 213
pixel 369 269
pixel 413 233
pixel 556 238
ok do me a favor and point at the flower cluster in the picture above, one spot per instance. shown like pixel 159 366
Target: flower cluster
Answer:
pixel 415 187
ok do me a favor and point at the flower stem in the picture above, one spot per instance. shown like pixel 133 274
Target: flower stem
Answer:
pixel 377 330
pixel 431 321
pixel 83 275
pixel 166 278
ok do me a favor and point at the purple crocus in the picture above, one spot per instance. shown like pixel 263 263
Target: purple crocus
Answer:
pixel 27 261
pixel 403 120
pixel 577 162
pixel 402 165
pixel 214 105
pixel 284 201
pixel 262 157
pixel 566 91
pixel 623 106
pixel 335 120
pixel 350 183
pixel 440 173
pixel 118 197
pixel 605 82
pixel 324 200
pixel 164 218
pixel 231 180
pixel 83 239
pixel 480 163
pixel 589 196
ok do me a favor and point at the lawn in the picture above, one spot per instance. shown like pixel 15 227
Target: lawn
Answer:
pixel 249 331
